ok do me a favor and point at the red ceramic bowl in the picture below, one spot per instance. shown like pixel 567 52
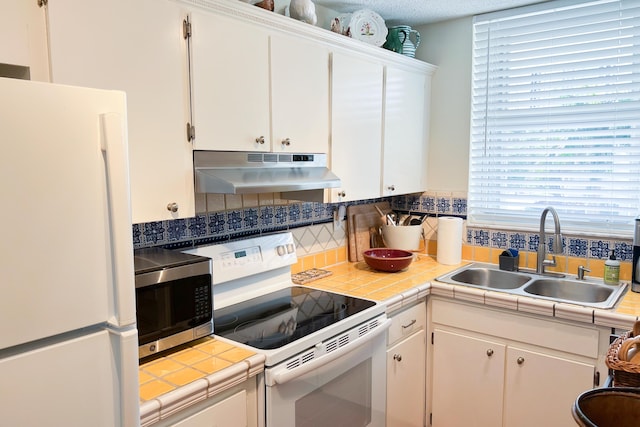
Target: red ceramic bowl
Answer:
pixel 385 259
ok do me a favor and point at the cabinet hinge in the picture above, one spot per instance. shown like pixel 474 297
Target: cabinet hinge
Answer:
pixel 42 3
pixel 191 132
pixel 186 28
pixel 432 338
pixel 430 418
pixel 596 378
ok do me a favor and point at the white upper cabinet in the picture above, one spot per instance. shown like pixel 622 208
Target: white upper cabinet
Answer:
pixel 23 51
pixel 404 146
pixel 299 94
pixel 356 126
pixel 230 84
pixel 137 47
pixel 257 90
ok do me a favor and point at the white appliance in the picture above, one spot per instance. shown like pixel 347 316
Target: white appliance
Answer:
pixel 68 346
pixel 325 352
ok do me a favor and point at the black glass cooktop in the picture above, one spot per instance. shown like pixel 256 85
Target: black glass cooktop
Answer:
pixel 277 319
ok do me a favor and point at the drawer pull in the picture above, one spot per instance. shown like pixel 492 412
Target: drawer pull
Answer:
pixel 490 352
pixel 520 360
pixel 409 325
pixel 397 357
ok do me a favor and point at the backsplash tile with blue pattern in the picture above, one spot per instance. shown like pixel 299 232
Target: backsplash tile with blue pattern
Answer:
pixel 571 246
pixel 220 226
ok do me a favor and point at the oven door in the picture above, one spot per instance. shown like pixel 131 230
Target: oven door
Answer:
pixel 345 388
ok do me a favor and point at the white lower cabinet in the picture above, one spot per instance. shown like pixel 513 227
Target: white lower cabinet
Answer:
pixel 493 368
pixel 230 412
pixel 467 381
pixel 234 407
pixel 540 388
pixel 406 365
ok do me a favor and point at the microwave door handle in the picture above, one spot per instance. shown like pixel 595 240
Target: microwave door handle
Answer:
pixel 284 375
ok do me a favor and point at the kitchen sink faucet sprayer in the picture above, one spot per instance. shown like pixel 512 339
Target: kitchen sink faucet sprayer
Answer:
pixel 542 262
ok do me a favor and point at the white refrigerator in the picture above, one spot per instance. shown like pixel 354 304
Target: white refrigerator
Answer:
pixel 68 338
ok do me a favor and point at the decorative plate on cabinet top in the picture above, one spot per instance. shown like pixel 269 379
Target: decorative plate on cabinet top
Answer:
pixel 368 26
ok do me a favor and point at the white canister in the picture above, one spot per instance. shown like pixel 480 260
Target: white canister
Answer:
pixel 405 237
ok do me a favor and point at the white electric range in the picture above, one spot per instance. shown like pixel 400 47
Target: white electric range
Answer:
pixel 325 352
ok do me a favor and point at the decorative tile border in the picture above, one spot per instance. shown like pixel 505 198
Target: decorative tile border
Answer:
pixel 578 247
pixel 220 226
pixel 231 224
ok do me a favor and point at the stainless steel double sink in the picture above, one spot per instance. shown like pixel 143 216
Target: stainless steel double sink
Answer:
pixel 560 289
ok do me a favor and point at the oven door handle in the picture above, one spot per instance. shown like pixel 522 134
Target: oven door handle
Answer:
pixel 284 375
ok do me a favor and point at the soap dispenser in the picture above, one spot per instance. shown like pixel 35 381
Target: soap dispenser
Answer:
pixel 612 270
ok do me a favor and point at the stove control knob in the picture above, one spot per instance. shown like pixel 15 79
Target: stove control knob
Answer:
pixel 281 250
pixel 290 248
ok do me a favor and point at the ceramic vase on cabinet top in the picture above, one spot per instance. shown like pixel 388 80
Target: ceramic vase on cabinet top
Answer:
pixel 395 39
pixel 409 46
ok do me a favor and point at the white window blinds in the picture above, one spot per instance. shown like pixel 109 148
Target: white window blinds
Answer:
pixel 556 117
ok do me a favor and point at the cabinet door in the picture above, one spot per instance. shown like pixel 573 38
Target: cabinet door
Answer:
pixel 468 377
pixel 404 145
pixel 136 47
pixel 230 412
pixel 230 84
pixel 406 382
pixel 299 95
pixel 23 51
pixel 356 126
pixel 540 389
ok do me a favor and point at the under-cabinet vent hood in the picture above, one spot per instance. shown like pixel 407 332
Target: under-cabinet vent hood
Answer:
pixel 232 172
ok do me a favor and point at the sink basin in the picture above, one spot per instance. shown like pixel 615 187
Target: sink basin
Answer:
pixel 533 285
pixel 569 290
pixel 490 278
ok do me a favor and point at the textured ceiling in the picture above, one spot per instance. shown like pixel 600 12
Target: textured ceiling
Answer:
pixel 416 12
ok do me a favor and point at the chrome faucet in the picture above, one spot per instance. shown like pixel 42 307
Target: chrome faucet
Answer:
pixel 557 242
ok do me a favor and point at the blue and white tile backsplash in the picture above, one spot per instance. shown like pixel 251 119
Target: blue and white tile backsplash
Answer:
pixel 236 223
pixel 578 247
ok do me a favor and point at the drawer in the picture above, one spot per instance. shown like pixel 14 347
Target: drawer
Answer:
pixel 407 321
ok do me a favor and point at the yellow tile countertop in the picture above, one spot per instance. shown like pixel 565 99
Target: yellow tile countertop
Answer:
pixel 208 366
pixel 199 370
pixel 397 289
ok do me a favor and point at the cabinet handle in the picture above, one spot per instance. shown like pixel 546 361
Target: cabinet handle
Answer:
pixel 409 325
pixel 397 357
pixel 342 194
pixel 172 207
pixel 490 352
pixel 260 140
pixel 520 360
pixel 286 142
pixel 391 188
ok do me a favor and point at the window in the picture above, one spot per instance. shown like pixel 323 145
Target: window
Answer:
pixel 556 117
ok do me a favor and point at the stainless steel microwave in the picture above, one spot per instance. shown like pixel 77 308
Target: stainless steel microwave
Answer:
pixel 174 299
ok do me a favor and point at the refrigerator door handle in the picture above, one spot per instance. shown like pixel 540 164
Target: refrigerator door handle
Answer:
pixel 113 142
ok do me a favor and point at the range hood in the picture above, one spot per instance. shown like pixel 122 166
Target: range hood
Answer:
pixel 233 172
